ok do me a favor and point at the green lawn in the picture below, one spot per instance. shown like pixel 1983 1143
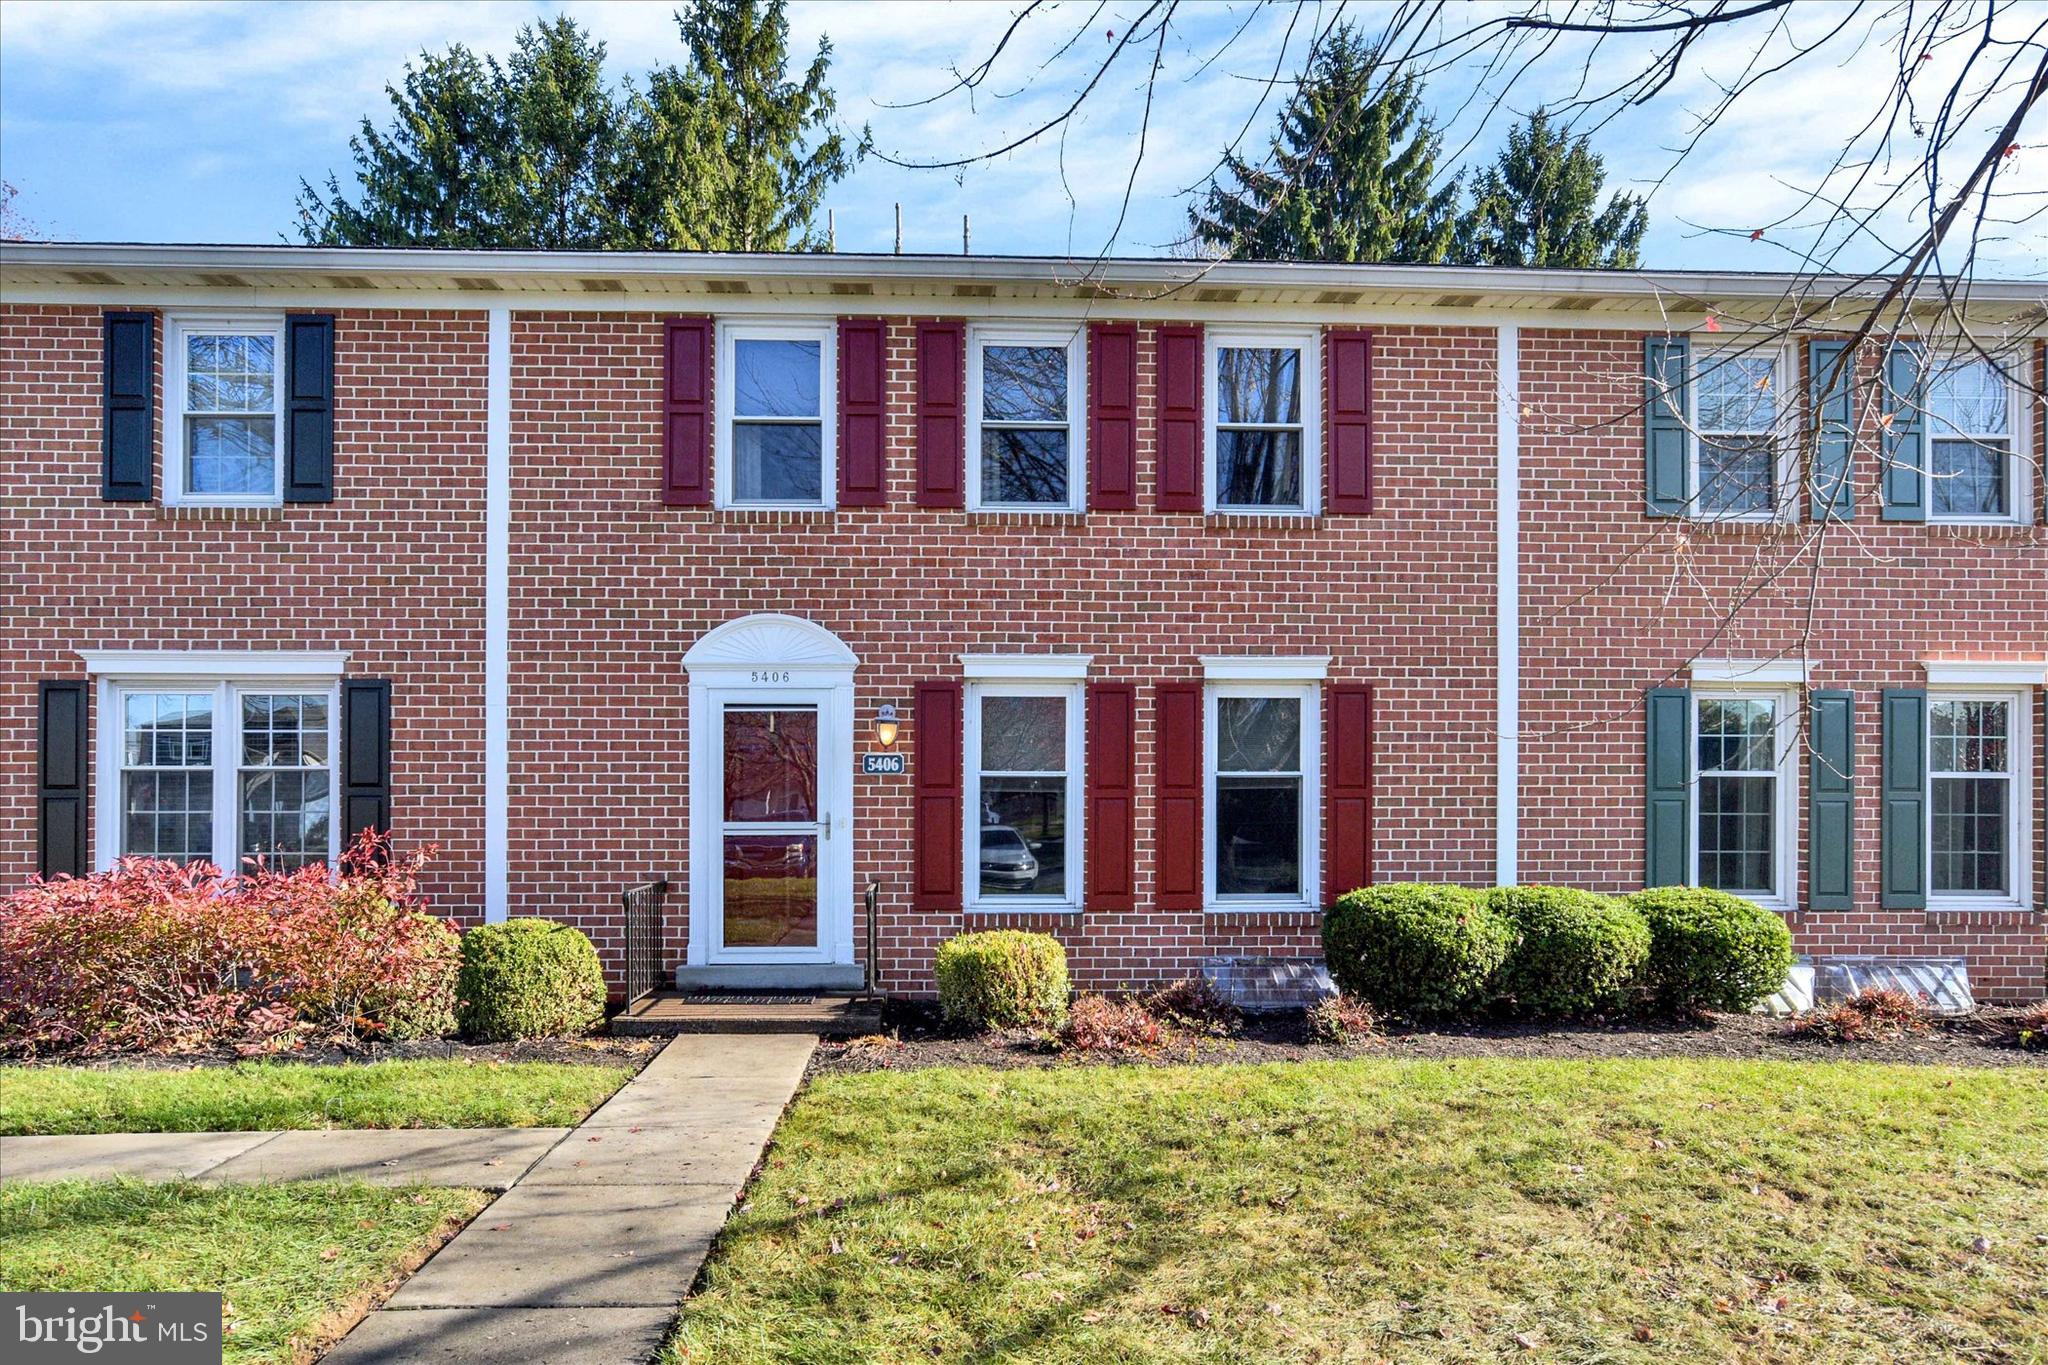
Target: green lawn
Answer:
pixel 1414 1211
pixel 253 1095
pixel 297 1263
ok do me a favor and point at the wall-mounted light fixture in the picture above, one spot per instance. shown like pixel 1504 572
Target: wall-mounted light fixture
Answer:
pixel 885 725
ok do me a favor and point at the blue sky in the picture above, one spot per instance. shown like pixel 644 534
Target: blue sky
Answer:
pixel 194 121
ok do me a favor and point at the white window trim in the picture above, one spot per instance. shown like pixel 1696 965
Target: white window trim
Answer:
pixel 226 768
pixel 1784 432
pixel 177 326
pixel 1073 338
pixel 826 334
pixel 1309 692
pixel 2019 811
pixel 1265 667
pixel 1751 672
pixel 1024 667
pixel 1785 744
pixel 2016 673
pixel 970 843
pixel 2019 425
pixel 1310 340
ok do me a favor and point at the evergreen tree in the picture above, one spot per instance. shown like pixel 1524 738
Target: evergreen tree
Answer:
pixel 1538 206
pixel 1349 174
pixel 722 153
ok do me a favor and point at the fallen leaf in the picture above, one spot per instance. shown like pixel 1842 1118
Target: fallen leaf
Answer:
pixel 1982 1246
pixel 1525 1341
pixel 1200 1317
pixel 1640 1332
pixel 331 1254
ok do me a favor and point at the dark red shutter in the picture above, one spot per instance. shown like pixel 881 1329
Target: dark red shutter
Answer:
pixel 1347 789
pixel 1112 416
pixel 941 414
pixel 1112 795
pixel 937 830
pixel 1347 434
pixel 1180 418
pixel 863 357
pixel 686 413
pixel 1178 839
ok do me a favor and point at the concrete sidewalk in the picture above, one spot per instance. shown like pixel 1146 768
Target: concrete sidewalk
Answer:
pixel 587 1257
pixel 475 1158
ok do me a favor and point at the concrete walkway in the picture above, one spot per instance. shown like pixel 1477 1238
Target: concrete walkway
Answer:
pixel 585 1259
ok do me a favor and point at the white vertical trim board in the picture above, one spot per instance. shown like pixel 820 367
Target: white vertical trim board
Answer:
pixel 497 609
pixel 1507 611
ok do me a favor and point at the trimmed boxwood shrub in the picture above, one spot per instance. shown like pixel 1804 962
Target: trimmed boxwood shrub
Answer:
pixel 1003 978
pixel 1710 950
pixel 529 978
pixel 1415 948
pixel 1576 952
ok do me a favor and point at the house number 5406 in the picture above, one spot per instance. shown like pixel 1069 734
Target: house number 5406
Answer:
pixel 760 675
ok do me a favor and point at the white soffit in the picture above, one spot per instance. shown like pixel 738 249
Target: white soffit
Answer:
pixel 1265 667
pixel 1016 667
pixel 1760 672
pixel 1986 672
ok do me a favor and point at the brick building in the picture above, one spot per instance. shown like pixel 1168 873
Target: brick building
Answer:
pixel 1147 603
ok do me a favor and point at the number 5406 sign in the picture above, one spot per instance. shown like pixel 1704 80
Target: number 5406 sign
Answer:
pixel 881 765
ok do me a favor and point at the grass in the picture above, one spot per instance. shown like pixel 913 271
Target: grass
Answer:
pixel 1415 1211
pixel 255 1095
pixel 296 1263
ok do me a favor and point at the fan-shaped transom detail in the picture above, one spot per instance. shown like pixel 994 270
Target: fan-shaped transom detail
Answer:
pixel 769 639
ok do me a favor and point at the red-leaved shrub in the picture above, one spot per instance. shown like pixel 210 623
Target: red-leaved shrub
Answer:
pixel 1875 1015
pixel 1194 1005
pixel 158 956
pixel 1096 1023
pixel 1341 1019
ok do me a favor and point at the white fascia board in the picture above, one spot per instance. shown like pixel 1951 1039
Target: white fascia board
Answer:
pixel 1265 667
pixel 212 663
pixel 1986 672
pixel 1018 667
pixel 1761 672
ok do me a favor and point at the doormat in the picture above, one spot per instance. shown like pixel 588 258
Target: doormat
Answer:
pixel 728 998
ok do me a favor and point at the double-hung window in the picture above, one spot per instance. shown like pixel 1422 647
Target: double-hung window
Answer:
pixel 1744 807
pixel 222 430
pixel 1739 461
pixel 778 397
pixel 1977 747
pixel 196 769
pixel 1264 452
pixel 1023 797
pixel 1263 741
pixel 1972 467
pixel 1025 400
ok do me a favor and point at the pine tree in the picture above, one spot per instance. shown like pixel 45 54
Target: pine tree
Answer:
pixel 1536 206
pixel 1348 177
pixel 541 152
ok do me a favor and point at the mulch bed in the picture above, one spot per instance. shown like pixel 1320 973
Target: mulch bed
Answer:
pixel 919 1040
pixel 636 1052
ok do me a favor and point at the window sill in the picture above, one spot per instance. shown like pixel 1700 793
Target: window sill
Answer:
pixel 1982 530
pixel 188 511
pixel 1743 526
pixel 2006 906
pixel 1063 911
pixel 778 515
pixel 1025 516
pixel 1297 522
pixel 1262 908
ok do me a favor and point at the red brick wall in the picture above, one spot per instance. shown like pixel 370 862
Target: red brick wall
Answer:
pixel 609 589
pixel 391 571
pixel 1614 602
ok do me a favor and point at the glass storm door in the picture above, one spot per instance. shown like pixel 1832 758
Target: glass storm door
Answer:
pixel 771 830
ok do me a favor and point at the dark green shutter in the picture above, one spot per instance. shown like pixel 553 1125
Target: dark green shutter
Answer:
pixel 61 713
pixel 1667 844
pixel 309 408
pixel 1905 799
pixel 1905 437
pixel 1831 492
pixel 1831 801
pixel 366 757
pixel 128 423
pixel 1665 361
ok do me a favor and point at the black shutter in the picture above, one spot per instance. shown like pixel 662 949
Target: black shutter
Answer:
pixel 61 713
pixel 1665 439
pixel 127 452
pixel 1831 801
pixel 366 757
pixel 309 408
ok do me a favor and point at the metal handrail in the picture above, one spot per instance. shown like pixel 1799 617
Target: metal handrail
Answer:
pixel 643 910
pixel 874 971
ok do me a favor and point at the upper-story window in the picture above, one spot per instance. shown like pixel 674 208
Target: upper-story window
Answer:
pixel 1738 468
pixel 222 433
pixel 1972 472
pixel 776 397
pixel 1263 422
pixel 1024 394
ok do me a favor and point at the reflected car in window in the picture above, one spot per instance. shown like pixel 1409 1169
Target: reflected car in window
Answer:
pixel 1006 859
